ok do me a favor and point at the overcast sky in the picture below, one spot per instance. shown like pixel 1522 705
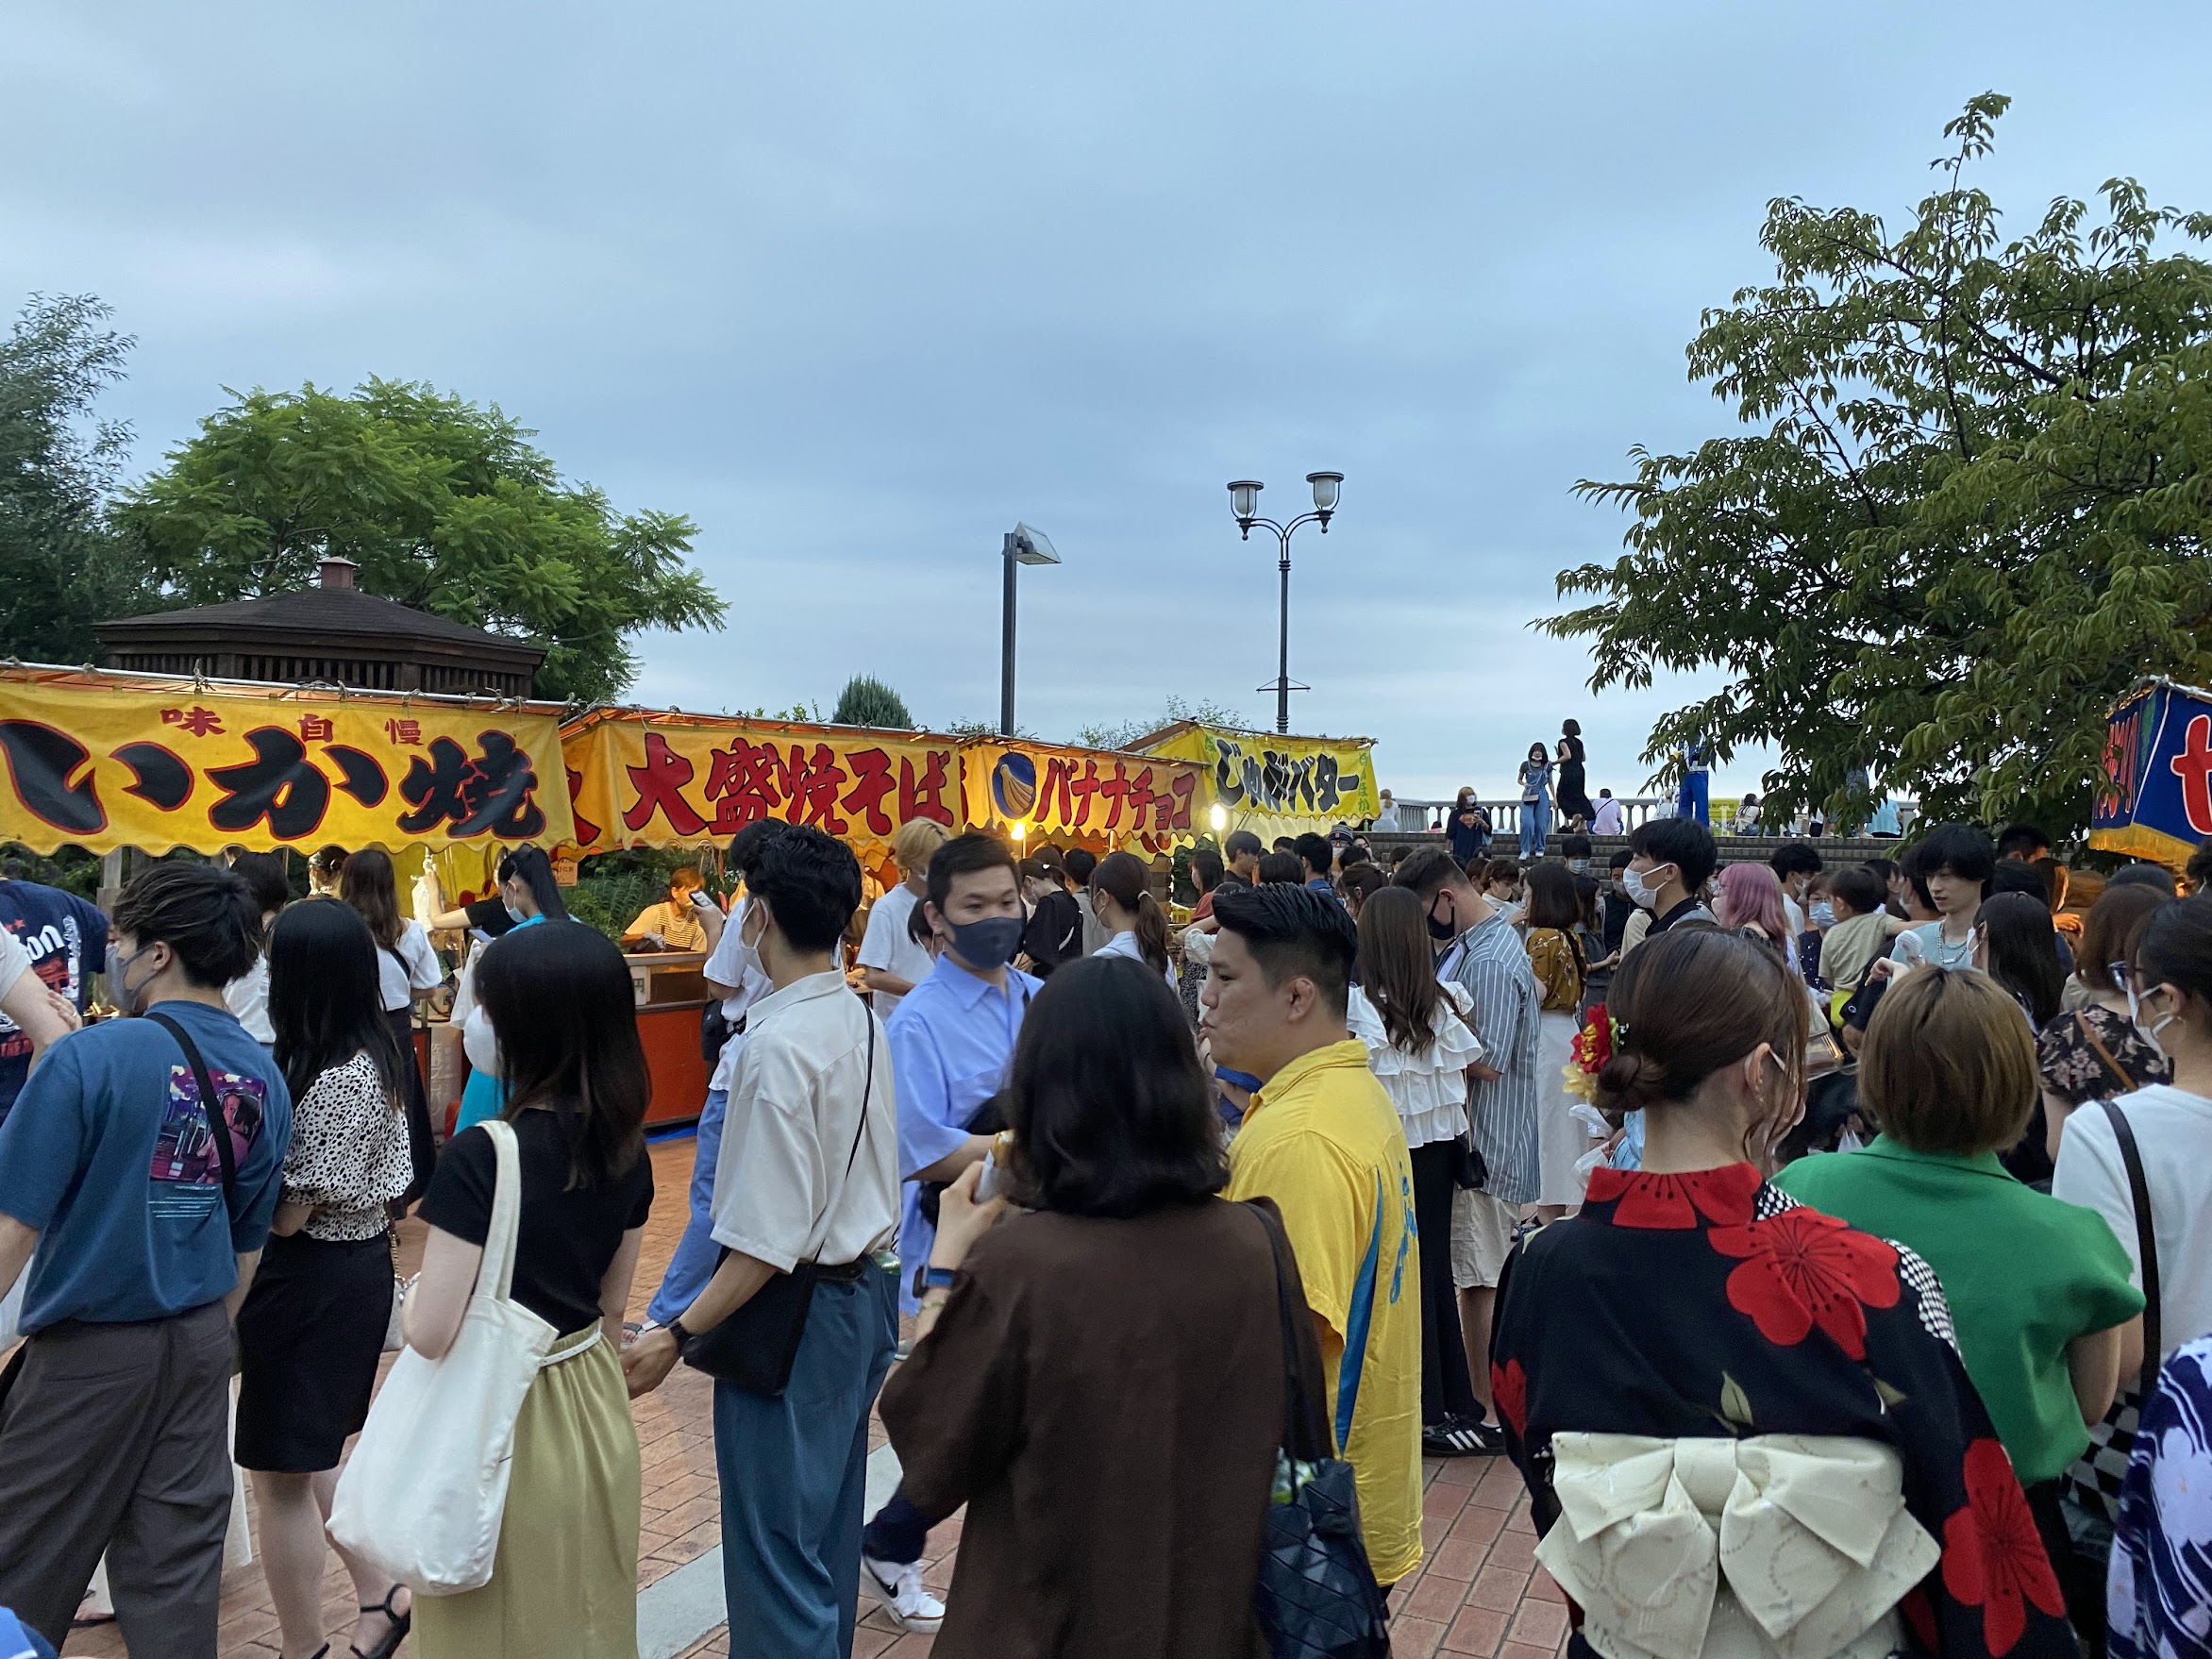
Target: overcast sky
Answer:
pixel 857 284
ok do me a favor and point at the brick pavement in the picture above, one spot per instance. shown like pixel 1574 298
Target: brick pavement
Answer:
pixel 1478 1592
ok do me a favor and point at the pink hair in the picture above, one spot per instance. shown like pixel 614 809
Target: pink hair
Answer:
pixel 1752 897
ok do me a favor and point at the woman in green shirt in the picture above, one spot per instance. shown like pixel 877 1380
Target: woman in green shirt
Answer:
pixel 2038 1288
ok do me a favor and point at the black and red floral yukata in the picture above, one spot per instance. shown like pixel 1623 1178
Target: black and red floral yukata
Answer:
pixel 1709 1305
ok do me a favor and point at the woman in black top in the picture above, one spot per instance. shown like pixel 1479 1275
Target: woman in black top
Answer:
pixel 1572 790
pixel 311 1329
pixel 564 1582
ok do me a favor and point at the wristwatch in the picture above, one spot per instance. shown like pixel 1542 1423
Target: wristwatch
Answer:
pixel 674 1328
pixel 928 1279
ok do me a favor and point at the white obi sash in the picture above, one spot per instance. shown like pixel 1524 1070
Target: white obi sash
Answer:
pixel 1774 1547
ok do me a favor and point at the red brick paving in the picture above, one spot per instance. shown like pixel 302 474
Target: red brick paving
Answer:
pixel 1478 1592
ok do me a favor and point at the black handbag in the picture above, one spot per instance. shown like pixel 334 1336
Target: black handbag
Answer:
pixel 757 1345
pixel 1316 1597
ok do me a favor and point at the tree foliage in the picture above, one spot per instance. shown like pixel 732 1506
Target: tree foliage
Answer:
pixel 444 504
pixel 60 570
pixel 1971 511
pixel 1205 711
pixel 867 701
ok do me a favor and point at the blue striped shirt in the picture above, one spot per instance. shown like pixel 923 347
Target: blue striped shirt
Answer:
pixel 1491 964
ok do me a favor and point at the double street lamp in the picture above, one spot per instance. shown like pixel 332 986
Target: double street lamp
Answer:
pixel 1244 501
pixel 1023 545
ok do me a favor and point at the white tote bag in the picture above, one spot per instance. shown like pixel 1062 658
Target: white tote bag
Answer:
pixel 424 1489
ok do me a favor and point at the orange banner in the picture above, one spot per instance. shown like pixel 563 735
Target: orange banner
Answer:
pixel 643 778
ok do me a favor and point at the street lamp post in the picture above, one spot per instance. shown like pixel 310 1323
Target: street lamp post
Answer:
pixel 1244 501
pixel 1023 546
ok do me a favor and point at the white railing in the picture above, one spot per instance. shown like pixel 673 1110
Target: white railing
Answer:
pixel 1505 816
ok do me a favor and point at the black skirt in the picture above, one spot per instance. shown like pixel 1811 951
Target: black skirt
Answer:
pixel 309 1337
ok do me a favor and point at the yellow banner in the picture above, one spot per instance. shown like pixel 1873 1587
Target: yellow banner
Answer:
pixel 1278 785
pixel 642 779
pixel 104 761
pixel 1082 795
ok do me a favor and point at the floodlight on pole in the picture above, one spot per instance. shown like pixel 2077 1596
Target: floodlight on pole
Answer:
pixel 1022 545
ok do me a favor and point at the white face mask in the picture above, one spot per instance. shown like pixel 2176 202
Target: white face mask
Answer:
pixel 1642 891
pixel 749 951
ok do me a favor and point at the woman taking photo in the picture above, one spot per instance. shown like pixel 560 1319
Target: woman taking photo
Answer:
pixel 407 972
pixel 529 895
pixel 1419 1049
pixel 2038 1289
pixel 311 1329
pixel 564 1582
pixel 1137 927
pixel 1574 795
pixel 1102 1385
pixel 1534 779
pixel 2096 1052
pixel 1734 1354
pixel 1555 957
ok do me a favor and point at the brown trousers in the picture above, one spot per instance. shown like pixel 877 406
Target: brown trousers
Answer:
pixel 114 1438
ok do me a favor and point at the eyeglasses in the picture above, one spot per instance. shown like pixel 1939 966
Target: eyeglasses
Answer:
pixel 2121 973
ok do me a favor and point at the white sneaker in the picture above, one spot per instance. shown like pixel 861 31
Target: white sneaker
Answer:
pixel 898 1586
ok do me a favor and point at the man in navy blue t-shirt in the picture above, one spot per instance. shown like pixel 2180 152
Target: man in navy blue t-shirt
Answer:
pixel 66 939
pixel 114 1436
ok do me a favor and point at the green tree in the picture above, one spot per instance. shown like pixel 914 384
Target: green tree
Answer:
pixel 444 504
pixel 1205 711
pixel 1970 507
pixel 61 569
pixel 867 701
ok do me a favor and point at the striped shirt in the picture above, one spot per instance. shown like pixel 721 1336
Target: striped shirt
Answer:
pixel 1491 964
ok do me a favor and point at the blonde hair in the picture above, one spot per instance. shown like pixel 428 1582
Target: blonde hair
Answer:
pixel 917 839
pixel 1948 1063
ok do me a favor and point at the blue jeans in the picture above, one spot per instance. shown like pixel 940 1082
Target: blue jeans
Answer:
pixel 793 1473
pixel 696 1253
pixel 1535 828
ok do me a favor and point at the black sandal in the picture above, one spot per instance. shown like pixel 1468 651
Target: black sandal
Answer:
pixel 401 1624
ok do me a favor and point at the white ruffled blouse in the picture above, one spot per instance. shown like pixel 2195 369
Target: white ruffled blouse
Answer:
pixel 1430 1090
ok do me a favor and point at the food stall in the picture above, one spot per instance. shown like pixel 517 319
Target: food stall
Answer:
pixel 2156 800
pixel 111 761
pixel 667 778
pixel 1272 784
pixel 1040 794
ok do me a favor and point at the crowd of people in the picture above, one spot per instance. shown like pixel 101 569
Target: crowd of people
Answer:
pixel 1825 1243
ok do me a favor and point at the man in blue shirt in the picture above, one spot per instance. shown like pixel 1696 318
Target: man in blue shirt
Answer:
pixel 114 1434
pixel 951 1041
pixel 1319 858
pixel 66 939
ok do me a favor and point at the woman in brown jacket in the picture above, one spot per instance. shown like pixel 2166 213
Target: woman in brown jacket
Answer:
pixel 1103 1383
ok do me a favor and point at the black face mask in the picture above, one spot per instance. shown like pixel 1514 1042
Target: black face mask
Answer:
pixel 1443 932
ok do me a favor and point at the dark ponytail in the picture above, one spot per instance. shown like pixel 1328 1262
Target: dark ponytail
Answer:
pixel 1122 876
pixel 535 871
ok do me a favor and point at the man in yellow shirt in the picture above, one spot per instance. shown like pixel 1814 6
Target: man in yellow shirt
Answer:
pixel 1322 1139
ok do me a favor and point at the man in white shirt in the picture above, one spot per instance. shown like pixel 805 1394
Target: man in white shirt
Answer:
pixel 892 962
pixel 733 973
pixel 808 1172
pixel 1608 820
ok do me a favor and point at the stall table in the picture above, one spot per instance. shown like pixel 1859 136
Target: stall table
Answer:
pixel 670 987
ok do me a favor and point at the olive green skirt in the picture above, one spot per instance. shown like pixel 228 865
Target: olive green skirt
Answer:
pixel 565 1581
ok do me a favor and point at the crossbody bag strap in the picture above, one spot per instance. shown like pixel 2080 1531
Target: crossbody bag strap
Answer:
pixel 2146 1241
pixel 2104 1054
pixel 1305 1435
pixel 859 1134
pixel 218 1126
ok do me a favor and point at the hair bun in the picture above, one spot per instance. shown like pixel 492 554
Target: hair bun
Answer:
pixel 1628 1082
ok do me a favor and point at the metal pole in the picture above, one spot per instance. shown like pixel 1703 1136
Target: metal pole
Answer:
pixel 1283 661
pixel 1006 649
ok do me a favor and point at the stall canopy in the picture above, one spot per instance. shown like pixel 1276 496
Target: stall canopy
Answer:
pixel 647 778
pixel 1066 795
pixel 2156 801
pixel 105 761
pixel 1274 785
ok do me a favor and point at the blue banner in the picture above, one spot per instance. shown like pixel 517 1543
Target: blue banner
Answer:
pixel 2156 800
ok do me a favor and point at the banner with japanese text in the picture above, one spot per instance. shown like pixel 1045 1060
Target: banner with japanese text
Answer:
pixel 2156 798
pixel 106 761
pixel 1066 795
pixel 1275 785
pixel 643 778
